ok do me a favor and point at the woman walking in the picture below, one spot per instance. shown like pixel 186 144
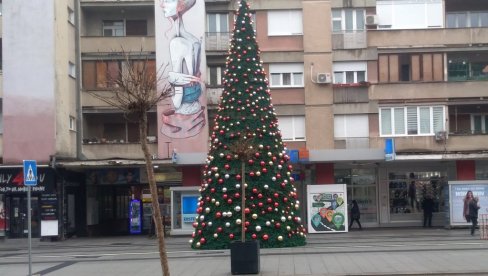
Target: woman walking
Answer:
pixel 473 207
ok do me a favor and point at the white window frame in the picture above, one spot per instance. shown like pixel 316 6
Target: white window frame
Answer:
pixel 342 69
pixel 285 22
pixel 484 119
pixel 342 19
pixel 277 71
pixel 72 123
pixel 297 128
pixel 113 28
pixel 71 69
pixel 71 16
pixel 351 126
pixel 219 72
pixel 403 123
pixel 218 18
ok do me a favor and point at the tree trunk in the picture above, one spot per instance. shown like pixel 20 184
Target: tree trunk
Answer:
pixel 154 194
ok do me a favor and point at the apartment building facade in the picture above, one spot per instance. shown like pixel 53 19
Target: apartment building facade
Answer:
pixel 348 80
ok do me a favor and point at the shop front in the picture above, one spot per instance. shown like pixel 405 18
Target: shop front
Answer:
pixel 118 200
pixel 13 203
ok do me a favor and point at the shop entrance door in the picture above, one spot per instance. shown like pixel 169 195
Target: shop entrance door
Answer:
pixel 17 208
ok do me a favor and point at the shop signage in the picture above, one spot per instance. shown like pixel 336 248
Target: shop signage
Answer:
pixel 457 193
pixel 390 149
pixel 49 207
pixel 12 181
pixel 327 208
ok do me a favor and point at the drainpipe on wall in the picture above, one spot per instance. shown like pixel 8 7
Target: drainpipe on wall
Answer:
pixel 79 112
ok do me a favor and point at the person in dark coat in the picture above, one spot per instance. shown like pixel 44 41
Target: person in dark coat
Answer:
pixel 473 207
pixel 355 214
pixel 428 206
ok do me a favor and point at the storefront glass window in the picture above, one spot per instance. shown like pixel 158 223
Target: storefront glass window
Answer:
pixel 361 186
pixel 407 190
pixel 3 215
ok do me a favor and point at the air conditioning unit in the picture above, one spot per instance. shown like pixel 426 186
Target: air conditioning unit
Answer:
pixel 324 78
pixel 440 136
pixel 371 19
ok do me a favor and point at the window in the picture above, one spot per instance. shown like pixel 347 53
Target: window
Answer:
pixel 71 16
pixel 467 66
pixel 113 28
pixel 1 116
pixel 217 23
pixel 285 23
pixel 351 126
pixel 479 123
pixel 72 123
pixel 102 74
pixel 467 19
pixel 411 120
pixel 292 127
pixel 349 72
pixel 72 69
pixel 410 14
pixel 214 75
pixel 136 27
pixel 286 75
pixel 411 67
pixel 348 20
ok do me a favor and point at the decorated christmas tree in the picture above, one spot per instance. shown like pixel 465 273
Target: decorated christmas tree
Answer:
pixel 246 147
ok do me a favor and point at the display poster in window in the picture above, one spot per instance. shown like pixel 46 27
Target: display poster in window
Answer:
pixel 327 208
pixel 49 207
pixel 189 208
pixel 2 216
pixel 457 193
pixel 135 219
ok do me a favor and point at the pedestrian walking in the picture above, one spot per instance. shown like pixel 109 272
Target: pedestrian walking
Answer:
pixel 467 199
pixel 428 207
pixel 473 207
pixel 355 214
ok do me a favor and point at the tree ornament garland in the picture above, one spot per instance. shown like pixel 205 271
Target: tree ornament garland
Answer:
pixel 246 139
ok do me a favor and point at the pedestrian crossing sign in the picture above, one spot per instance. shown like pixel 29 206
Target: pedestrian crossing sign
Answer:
pixel 30 173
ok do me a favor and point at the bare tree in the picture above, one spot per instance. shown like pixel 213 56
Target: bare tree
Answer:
pixel 134 90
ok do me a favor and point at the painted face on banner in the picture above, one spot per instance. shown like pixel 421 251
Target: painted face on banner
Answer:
pixel 169 7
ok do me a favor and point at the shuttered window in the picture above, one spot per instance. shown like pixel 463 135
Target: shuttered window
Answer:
pixel 418 120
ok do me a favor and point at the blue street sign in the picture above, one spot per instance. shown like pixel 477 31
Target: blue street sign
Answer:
pixel 30 173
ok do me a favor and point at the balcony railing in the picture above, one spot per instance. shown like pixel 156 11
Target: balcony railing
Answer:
pixel 349 40
pixel 121 150
pixel 351 93
pixel 213 95
pixel 217 41
pixel 108 44
pixel 352 143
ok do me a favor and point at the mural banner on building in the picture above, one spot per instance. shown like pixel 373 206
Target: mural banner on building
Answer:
pixel 327 208
pixel 180 48
pixel 3 216
pixel 457 193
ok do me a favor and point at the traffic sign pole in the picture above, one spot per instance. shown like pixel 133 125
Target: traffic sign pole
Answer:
pixel 30 179
pixel 29 227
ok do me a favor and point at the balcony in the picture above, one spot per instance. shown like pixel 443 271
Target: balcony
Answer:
pixel 469 119
pixel 213 95
pixel 103 44
pixel 352 143
pixel 427 90
pixel 427 37
pixel 351 93
pixel 96 151
pixel 98 3
pixel 217 41
pixel 349 40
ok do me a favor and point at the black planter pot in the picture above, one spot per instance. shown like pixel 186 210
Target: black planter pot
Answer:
pixel 244 257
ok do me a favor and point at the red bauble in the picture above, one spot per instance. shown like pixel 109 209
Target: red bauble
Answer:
pixel 199 232
pixel 260 195
pixel 276 195
pixel 221 132
pixel 277 225
pixel 219 229
pixel 221 181
pixel 264 170
pixel 254 236
pixel 218 214
pixel 257 154
pixel 204 224
pixel 225 196
pixel 202 240
pixel 283 185
pixel 276 204
pixel 285 199
pixel 227 166
pixel 254 190
pixel 212 190
pixel 265 237
pixel 262 163
pixel 195 224
pixel 270 209
pixel 231 236
pixel 247 223
pixel 237 195
pixel 251 174
pixel 260 204
pixel 238 177
pixel 229 201
pixel 269 200
pixel 247 211
pixel 278 175
pixel 250 161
